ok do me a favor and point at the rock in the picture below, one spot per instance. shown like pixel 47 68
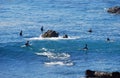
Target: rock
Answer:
pixel 89 73
pixel 65 36
pixel 50 33
pixel 100 74
pixel 115 74
pixel 115 9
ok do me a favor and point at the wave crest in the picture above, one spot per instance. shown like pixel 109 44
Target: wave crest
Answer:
pixel 54 55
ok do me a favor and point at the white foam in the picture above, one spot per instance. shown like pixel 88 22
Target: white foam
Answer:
pixel 23 46
pixel 44 49
pixel 59 63
pixel 105 9
pixel 45 54
pixel 54 38
pixel 55 55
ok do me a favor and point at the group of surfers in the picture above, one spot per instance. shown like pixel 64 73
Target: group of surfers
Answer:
pixel 42 29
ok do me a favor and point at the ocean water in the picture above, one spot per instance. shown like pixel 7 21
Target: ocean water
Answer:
pixel 58 57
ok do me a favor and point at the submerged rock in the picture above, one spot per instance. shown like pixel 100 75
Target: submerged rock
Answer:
pixel 115 9
pixel 50 33
pixel 100 74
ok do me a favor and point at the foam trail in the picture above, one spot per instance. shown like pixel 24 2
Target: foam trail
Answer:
pixel 23 46
pixel 59 63
pixel 45 54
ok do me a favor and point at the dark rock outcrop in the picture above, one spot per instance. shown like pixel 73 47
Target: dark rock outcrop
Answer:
pixel 50 33
pixel 115 10
pixel 99 74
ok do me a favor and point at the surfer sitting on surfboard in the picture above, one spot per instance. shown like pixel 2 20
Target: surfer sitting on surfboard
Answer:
pixel 27 43
pixel 85 48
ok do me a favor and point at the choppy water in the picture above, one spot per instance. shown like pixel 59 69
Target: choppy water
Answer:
pixel 58 57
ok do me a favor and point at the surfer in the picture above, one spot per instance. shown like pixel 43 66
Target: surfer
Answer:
pixel 21 33
pixel 108 39
pixel 42 29
pixel 85 48
pixel 90 30
pixel 65 36
pixel 27 43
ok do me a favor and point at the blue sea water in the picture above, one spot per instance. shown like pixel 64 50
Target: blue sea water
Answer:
pixel 58 57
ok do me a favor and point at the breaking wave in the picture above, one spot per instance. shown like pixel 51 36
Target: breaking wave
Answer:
pixel 62 59
pixel 54 38
pixel 54 55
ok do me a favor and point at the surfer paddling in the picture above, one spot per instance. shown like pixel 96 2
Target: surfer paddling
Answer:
pixel 21 33
pixel 90 30
pixel 108 39
pixel 42 29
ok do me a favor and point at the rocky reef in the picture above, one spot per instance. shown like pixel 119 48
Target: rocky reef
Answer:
pixel 50 33
pixel 100 74
pixel 115 10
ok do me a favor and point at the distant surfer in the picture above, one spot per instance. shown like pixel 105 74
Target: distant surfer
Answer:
pixel 90 30
pixel 21 33
pixel 108 39
pixel 65 36
pixel 42 29
pixel 27 43
pixel 85 48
